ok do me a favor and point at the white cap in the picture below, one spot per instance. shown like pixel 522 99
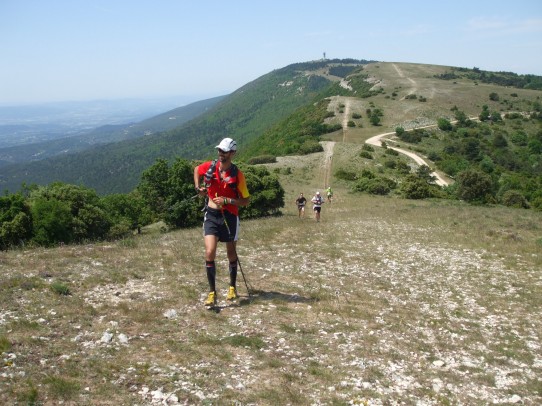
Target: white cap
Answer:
pixel 317 193
pixel 227 144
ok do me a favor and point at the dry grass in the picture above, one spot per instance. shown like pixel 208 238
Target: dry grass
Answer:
pixel 386 301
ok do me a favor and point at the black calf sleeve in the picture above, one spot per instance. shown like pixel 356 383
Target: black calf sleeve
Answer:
pixel 233 273
pixel 211 274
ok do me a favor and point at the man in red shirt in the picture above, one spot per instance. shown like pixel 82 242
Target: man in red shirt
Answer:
pixel 226 190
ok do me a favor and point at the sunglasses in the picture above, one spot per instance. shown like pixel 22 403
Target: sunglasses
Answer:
pixel 221 151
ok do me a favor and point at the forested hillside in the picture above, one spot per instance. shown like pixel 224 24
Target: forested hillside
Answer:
pixel 245 115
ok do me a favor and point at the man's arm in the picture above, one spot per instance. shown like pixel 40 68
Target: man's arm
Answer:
pixel 197 180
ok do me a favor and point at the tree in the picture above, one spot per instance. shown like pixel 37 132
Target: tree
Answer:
pixel 182 211
pixel 493 96
pixel 474 186
pixel 514 198
pixel 413 187
pixel 154 187
pixel 52 221
pixel 484 115
pixel 499 141
pixel 266 193
pixel 86 217
pixel 127 212
pixel 15 221
pixel 375 119
pixel 444 124
pixel 424 173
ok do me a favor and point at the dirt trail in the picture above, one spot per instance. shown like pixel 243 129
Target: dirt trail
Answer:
pixel 347 108
pixel 377 141
pixel 400 73
pixel 326 163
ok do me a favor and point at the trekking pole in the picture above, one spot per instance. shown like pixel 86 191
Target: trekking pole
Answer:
pixel 243 275
pixel 238 261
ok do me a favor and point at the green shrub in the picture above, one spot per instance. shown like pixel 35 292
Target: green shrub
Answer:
pixel 367 147
pixel 262 159
pixel 310 147
pixel 5 344
pixel 345 175
pixel 474 186
pixel 366 155
pixel 514 198
pixel 444 124
pixel 416 188
pixel 402 167
pixel 366 173
pixel 391 164
pixel 60 289
pixel 392 152
pixel 376 186
pixel 536 203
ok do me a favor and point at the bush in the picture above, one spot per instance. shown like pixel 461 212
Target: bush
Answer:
pixel 60 289
pixel 52 222
pixel 367 147
pixel 262 159
pixel 376 186
pixel 391 164
pixel 444 124
pixel 514 198
pixel 474 186
pixel 391 152
pixel 345 175
pixel 416 188
pixel 402 167
pixel 536 204
pixel 366 155
pixel 309 147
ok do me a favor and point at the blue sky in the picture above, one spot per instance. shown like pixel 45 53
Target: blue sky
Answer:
pixel 60 50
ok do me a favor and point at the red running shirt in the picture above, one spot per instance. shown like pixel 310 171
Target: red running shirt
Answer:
pixel 222 186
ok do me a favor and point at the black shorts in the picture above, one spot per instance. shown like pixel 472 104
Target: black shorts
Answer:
pixel 317 208
pixel 224 225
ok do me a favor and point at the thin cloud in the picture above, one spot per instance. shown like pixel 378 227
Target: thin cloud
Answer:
pixel 501 25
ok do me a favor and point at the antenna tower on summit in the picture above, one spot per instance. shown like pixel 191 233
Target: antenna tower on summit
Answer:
pixel 324 56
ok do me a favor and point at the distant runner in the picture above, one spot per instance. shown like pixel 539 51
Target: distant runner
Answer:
pixel 301 201
pixel 329 194
pixel 317 201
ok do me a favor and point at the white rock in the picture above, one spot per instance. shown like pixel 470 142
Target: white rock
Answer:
pixel 123 339
pixel 107 337
pixel 170 313
pixel 438 363
pixel 157 394
pixel 514 399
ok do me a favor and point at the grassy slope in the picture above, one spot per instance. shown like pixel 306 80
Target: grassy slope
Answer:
pixel 385 301
pixel 418 79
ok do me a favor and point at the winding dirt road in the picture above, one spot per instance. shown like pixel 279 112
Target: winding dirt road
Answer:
pixel 377 141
